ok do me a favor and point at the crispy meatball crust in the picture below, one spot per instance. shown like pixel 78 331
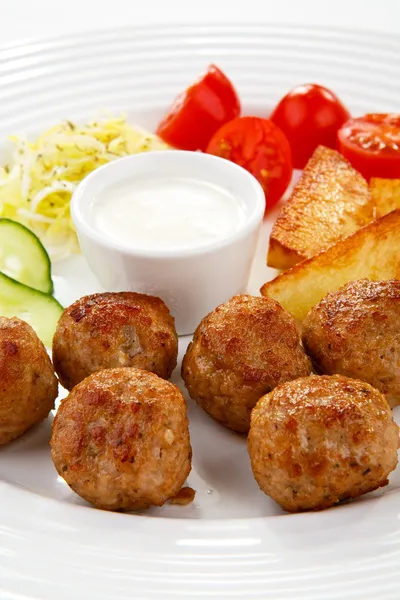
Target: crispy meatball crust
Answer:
pixel 111 330
pixel 318 440
pixel 29 386
pixel 355 332
pixel 121 439
pixel 240 351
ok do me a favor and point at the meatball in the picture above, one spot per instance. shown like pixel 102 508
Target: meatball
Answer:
pixel 321 439
pixel 355 331
pixel 121 439
pixel 240 351
pixel 29 386
pixel 111 330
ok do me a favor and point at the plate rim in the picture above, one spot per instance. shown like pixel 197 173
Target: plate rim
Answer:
pixel 206 26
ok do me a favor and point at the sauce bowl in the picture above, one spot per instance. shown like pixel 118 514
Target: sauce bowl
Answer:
pixel 191 281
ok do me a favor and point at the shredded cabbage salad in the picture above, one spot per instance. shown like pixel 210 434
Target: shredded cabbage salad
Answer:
pixel 37 184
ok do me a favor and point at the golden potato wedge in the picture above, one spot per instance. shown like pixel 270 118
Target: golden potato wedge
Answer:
pixel 385 195
pixel 372 252
pixel 330 201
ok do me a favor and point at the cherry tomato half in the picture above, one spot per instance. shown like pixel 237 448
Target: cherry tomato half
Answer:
pixel 199 111
pixel 372 144
pixel 260 147
pixel 309 115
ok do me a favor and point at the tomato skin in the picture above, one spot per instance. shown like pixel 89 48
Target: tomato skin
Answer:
pixel 309 115
pixel 260 147
pixel 372 144
pixel 197 113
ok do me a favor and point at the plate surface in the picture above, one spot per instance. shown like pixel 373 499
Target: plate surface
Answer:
pixel 232 542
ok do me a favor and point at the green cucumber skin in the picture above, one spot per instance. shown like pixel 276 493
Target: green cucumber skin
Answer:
pixel 46 285
pixel 38 309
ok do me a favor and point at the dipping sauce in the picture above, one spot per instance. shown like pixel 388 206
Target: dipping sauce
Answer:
pixel 167 213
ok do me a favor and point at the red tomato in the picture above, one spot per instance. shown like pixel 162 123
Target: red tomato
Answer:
pixel 309 115
pixel 260 147
pixel 372 144
pixel 199 111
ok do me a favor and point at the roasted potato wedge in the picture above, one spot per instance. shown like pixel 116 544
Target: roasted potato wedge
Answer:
pixel 385 195
pixel 372 252
pixel 330 201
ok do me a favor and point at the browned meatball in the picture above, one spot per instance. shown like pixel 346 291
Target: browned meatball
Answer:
pixel 318 440
pixel 355 331
pixel 111 330
pixel 29 386
pixel 240 351
pixel 121 440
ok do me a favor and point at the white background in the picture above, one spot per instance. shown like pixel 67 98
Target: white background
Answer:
pixel 21 19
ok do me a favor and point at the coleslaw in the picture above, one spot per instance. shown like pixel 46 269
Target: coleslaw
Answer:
pixel 37 184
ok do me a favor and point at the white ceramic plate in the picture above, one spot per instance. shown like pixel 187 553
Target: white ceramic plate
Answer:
pixel 232 542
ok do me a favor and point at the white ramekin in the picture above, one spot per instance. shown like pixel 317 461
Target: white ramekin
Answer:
pixel 191 282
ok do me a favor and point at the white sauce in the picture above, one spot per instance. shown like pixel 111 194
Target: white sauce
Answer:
pixel 167 214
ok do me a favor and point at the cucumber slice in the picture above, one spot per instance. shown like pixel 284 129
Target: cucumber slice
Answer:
pixel 40 310
pixel 23 256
